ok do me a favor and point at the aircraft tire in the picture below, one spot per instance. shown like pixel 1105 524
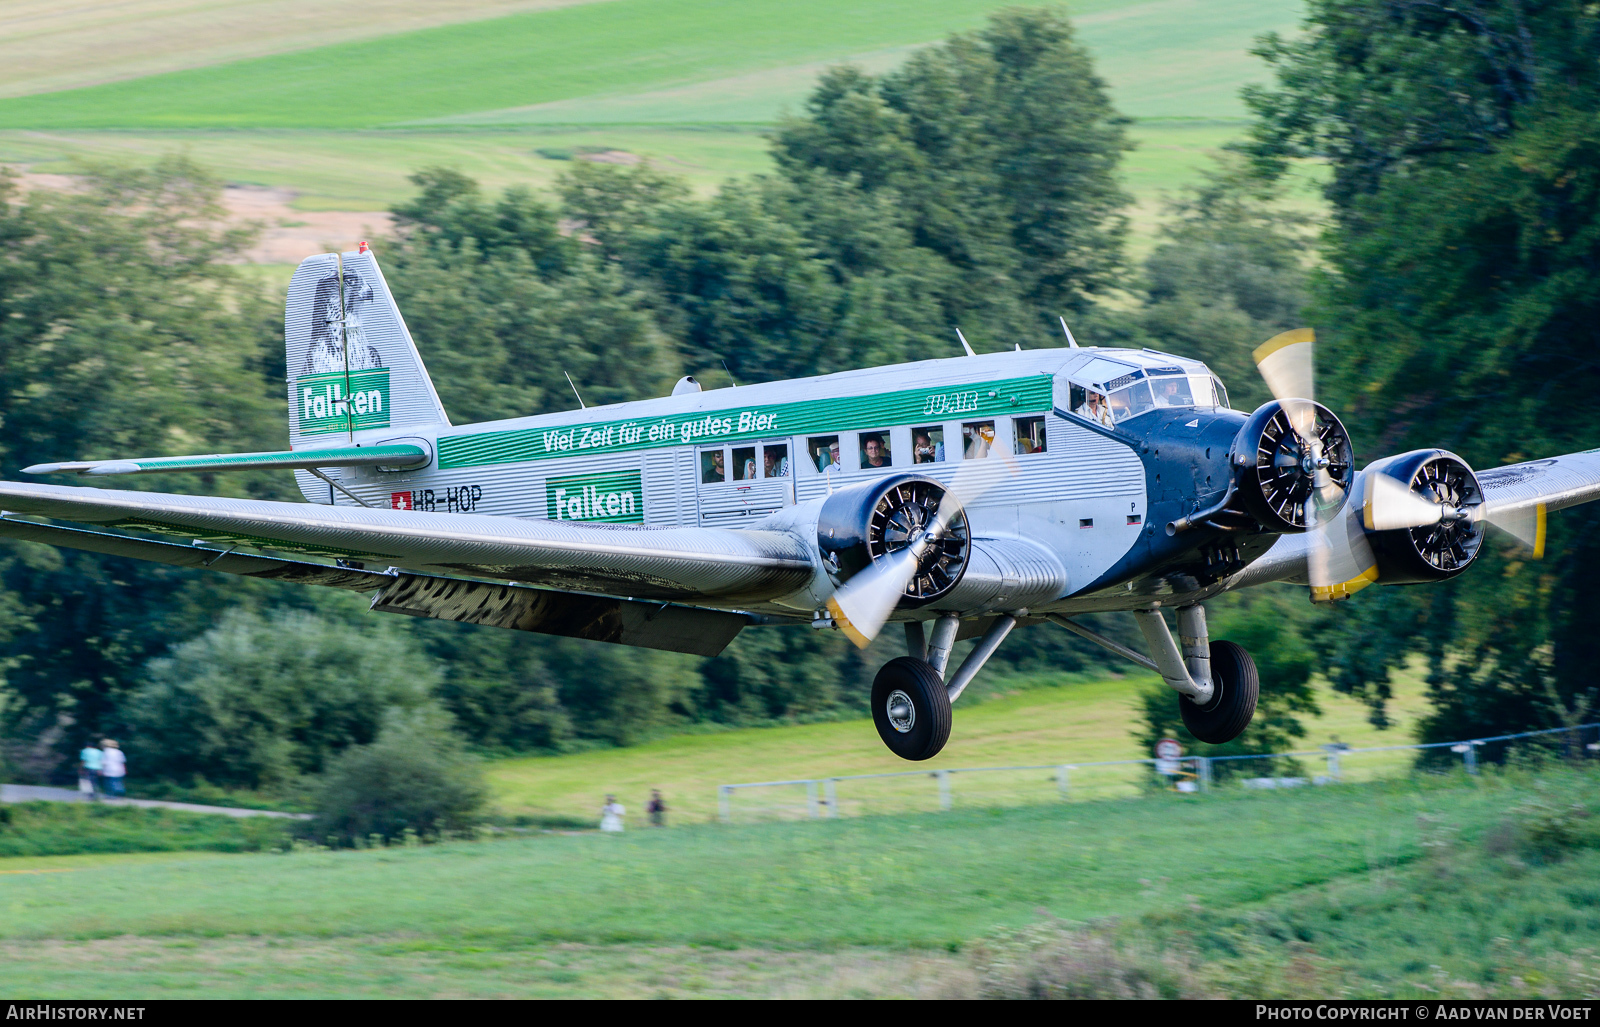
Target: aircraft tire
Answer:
pixel 1233 703
pixel 911 708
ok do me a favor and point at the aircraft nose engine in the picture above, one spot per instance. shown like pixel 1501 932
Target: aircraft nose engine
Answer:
pixel 875 518
pixel 1294 464
pixel 1432 533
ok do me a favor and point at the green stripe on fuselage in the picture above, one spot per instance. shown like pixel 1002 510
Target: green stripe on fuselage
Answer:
pixel 764 420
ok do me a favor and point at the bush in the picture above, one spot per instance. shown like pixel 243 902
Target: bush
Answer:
pixel 413 779
pixel 257 702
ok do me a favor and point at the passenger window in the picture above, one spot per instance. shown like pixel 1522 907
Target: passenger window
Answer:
pixel 927 444
pixel 823 451
pixel 744 463
pixel 711 466
pixel 1030 435
pixel 977 439
pixel 874 450
pixel 1172 392
pixel 775 462
pixel 1133 400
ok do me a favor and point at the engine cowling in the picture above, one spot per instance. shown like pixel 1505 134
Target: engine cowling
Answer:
pixel 1408 556
pixel 1277 473
pixel 862 522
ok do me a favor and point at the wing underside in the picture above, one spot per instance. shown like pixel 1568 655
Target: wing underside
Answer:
pixel 714 566
pixel 497 604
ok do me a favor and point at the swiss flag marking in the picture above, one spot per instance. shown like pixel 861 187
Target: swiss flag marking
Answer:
pixel 400 501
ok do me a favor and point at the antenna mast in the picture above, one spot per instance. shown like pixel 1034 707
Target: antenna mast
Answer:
pixel 581 404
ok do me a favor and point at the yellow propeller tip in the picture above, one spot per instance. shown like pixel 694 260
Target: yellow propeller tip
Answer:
pixel 861 641
pixel 1282 339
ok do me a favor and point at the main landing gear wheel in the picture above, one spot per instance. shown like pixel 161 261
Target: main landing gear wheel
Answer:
pixel 911 708
pixel 1233 702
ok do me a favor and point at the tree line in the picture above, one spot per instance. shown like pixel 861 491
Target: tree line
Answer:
pixel 974 186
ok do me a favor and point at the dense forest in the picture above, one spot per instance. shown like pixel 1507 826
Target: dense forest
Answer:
pixel 1454 283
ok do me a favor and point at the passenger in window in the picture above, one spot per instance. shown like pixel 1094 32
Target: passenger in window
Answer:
pixel 1095 409
pixel 874 453
pixel 824 450
pixel 979 439
pixel 711 467
pixel 1030 435
pixel 744 463
pixel 775 462
pixel 924 450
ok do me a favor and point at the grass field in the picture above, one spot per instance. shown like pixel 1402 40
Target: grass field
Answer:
pixel 1382 890
pixel 1165 58
pixel 1040 723
pixel 690 84
pixel 47 45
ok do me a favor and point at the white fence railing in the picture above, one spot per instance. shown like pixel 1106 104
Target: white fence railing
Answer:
pixel 907 791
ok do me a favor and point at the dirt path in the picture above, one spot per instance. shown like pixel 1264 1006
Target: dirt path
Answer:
pixel 288 236
pixel 32 793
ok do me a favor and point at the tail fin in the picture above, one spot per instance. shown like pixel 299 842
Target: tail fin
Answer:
pixel 352 366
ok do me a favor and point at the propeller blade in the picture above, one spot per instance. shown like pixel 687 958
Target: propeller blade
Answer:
pixel 1285 364
pixel 1525 524
pixel 863 604
pixel 1339 560
pixel 1390 505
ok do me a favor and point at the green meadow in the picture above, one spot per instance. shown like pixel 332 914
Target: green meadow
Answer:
pixel 1413 888
pixel 692 85
pixel 1173 58
pixel 1045 720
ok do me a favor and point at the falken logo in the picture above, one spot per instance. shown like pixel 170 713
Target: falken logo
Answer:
pixel 336 401
pixel 613 498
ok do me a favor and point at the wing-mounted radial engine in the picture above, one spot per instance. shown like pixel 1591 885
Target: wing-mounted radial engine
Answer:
pixel 1422 512
pixel 897 517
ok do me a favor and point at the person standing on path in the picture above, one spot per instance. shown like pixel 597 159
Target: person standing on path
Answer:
pixel 90 762
pixel 657 809
pixel 611 814
pixel 113 767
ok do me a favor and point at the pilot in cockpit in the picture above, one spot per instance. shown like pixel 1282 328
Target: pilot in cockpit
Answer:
pixel 1173 392
pixel 1095 409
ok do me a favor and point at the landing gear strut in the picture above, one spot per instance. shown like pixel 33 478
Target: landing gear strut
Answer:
pixel 1216 682
pixel 910 697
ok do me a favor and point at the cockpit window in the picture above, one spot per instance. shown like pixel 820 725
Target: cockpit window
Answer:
pixel 1131 401
pixel 1172 392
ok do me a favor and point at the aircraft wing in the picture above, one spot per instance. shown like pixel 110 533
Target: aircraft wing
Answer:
pixel 678 629
pixel 720 566
pixel 1554 483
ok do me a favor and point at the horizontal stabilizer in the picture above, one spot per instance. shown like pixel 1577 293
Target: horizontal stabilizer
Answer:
pixel 340 456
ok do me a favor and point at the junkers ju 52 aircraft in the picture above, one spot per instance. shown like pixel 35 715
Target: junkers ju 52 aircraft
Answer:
pixel 958 497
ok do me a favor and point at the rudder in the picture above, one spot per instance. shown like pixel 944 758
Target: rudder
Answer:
pixel 351 364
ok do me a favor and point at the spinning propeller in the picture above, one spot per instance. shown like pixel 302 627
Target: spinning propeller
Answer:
pixel 1442 497
pixel 1316 469
pixel 861 605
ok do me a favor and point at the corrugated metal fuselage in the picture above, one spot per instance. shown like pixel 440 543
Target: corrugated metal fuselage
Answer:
pixel 1094 500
